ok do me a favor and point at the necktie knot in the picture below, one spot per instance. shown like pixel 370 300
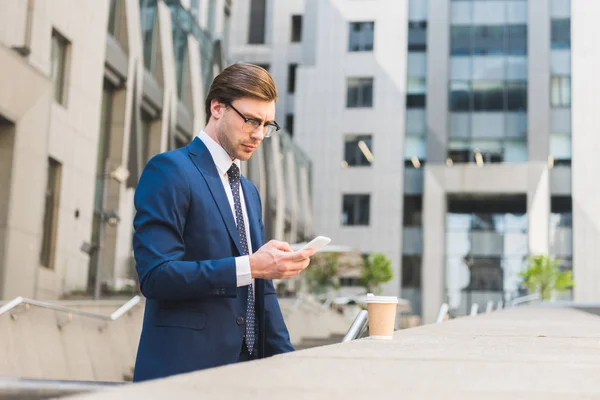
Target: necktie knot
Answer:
pixel 233 172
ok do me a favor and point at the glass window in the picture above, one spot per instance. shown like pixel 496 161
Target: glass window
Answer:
pixel 460 40
pixel 358 150
pixel 289 124
pixel 355 209
pixel 415 92
pixel 417 64
pixel 561 33
pixel 58 56
pixel 256 34
pixel 291 86
pixel 560 61
pixel 411 271
pixel 413 210
pixel 460 99
pixel 113 17
pixel 148 21
pixel 517 40
pixel 560 91
pixel 488 40
pixel 51 205
pixel 516 96
pixel 488 95
pixel 415 147
pixel 296 28
pixel 417 36
pixel 359 92
pixel 361 36
pixel 560 146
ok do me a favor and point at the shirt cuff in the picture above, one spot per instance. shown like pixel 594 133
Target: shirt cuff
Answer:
pixel 243 272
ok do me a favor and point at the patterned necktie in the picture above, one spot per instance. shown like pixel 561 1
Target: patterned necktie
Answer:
pixel 234 182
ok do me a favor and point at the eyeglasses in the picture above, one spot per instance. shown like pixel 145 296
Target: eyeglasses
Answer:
pixel 252 124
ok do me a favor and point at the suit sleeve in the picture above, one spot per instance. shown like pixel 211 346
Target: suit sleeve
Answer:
pixel 277 337
pixel 162 201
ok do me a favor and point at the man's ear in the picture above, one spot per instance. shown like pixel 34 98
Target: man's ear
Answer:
pixel 216 109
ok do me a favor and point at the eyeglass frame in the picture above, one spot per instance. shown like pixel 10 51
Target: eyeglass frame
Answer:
pixel 265 124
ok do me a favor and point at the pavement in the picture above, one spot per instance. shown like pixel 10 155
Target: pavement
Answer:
pixel 528 352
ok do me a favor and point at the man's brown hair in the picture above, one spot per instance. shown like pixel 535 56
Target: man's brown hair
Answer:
pixel 241 80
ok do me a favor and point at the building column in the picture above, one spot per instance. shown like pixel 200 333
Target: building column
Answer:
pixel 434 245
pixel 538 208
pixel 585 64
pixel 438 49
pixel 538 81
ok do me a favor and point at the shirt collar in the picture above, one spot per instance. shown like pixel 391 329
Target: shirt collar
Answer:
pixel 219 155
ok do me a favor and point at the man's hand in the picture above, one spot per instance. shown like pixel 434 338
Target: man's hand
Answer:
pixel 276 260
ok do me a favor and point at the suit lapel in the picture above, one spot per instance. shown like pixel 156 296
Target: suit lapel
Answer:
pixel 205 164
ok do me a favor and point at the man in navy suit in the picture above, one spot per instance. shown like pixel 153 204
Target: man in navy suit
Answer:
pixel 198 241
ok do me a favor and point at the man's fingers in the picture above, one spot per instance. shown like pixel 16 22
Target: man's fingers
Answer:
pixel 300 255
pixel 283 246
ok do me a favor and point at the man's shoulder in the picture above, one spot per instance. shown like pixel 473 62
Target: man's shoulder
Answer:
pixel 170 157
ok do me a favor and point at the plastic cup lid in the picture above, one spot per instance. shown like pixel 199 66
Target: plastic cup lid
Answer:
pixel 371 298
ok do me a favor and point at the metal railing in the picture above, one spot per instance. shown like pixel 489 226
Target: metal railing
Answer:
pixel 71 311
pixel 357 327
pixel 525 299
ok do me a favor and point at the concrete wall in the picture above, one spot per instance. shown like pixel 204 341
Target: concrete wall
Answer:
pixel 586 147
pixel 45 129
pixel 41 343
pixel 322 121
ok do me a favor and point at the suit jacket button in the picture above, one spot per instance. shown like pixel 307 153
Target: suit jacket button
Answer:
pixel 240 320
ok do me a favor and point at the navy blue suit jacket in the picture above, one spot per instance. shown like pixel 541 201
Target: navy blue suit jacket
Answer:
pixel 184 243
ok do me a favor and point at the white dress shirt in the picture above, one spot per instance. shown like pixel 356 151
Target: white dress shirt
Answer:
pixel 223 162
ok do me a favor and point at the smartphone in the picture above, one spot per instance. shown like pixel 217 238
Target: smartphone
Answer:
pixel 317 243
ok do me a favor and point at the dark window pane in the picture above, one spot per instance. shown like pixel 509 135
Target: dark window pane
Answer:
pixel 148 21
pixel 58 56
pixel 460 96
pixel 289 124
pixel 358 150
pixel 415 100
pixel 51 205
pixel 291 87
pixel 488 95
pixel 359 92
pixel 411 271
pixel 413 210
pixel 517 39
pixel 361 36
pixel 516 96
pixel 560 91
pixel 460 40
pixel 355 209
pixel 417 36
pixel 296 28
pixel 257 22
pixel 488 40
pixel 561 33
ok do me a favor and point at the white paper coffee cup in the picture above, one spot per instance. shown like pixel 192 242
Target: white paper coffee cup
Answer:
pixel 382 316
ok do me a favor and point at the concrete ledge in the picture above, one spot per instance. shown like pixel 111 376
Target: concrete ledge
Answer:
pixel 520 353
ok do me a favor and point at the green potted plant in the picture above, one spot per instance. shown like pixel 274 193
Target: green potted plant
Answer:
pixel 544 276
pixel 376 269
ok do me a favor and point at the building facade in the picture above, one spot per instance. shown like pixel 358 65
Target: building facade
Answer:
pixel 441 133
pixel 89 91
